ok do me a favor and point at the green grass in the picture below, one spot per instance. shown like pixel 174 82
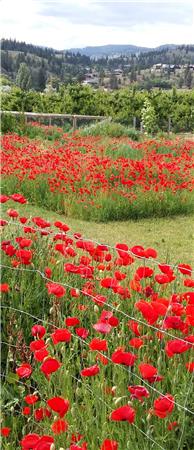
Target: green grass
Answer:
pixel 173 238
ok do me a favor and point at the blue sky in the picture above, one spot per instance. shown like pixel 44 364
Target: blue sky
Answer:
pixel 77 23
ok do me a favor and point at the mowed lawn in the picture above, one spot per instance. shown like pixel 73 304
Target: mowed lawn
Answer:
pixel 173 238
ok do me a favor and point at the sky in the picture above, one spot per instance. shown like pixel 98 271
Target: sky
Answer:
pixel 64 24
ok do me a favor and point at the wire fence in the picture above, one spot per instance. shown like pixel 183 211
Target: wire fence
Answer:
pixel 49 236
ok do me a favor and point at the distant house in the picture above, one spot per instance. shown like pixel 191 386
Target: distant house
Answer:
pixel 91 81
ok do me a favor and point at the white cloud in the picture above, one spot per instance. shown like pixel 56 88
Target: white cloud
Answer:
pixel 77 23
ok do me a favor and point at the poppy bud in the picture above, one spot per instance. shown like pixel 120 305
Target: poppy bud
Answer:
pixel 118 399
pixel 52 447
pixel 73 411
pixel 96 309
pixel 51 310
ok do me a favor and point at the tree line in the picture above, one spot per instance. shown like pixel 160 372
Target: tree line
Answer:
pixel 122 105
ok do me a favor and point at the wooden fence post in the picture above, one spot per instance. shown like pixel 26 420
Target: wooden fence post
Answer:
pixel 169 124
pixel 74 123
pixel 134 122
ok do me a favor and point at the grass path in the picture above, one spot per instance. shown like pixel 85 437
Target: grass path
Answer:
pixel 173 237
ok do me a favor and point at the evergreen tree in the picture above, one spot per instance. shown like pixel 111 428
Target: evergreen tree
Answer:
pixel 23 79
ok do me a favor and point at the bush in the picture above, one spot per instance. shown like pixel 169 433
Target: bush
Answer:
pixel 111 129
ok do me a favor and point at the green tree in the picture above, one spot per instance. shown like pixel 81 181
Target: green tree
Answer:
pixel 23 79
pixel 148 115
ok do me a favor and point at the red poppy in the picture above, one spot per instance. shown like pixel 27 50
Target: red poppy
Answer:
pixel 98 344
pixel 41 413
pixel 147 371
pixel 24 371
pixel 44 443
pixel 82 332
pixel 163 406
pixel 26 411
pixel 72 321
pixel 18 198
pixel 124 413
pixel 37 345
pixel 56 289
pixel 59 405
pixel 5 431
pixel 90 371
pixel 40 222
pixel 49 366
pixel 176 346
pixel 30 441
pixel 31 399
pixel 40 355
pixel 3 198
pixel 172 425
pixel 138 392
pixel 136 342
pixel 4 287
pixel 61 335
pixel 59 426
pixel 12 213
pixel 148 311
pixel 109 444
pixel 38 331
pixel 190 366
pixel 124 358
pixel 185 269
pixel 48 272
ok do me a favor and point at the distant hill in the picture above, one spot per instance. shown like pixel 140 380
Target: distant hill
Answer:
pixel 117 50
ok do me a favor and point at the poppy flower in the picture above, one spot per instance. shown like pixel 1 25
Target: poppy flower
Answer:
pixel 136 342
pixel 59 426
pixel 109 444
pixel 49 366
pixel 40 222
pixel 98 344
pixel 41 413
pixel 176 346
pixel 185 269
pixel 109 283
pixel 24 371
pixel 163 406
pixel 148 311
pixel 124 413
pixel 144 272
pixel 31 399
pixel 82 332
pixel 124 358
pixel 12 213
pixel 26 411
pixel 30 441
pixel 61 335
pixel 3 198
pixel 48 272
pixel 172 425
pixel 37 345
pixel 102 327
pixel 147 371
pixel 59 405
pixel 4 287
pixel 38 331
pixel 190 366
pixel 90 371
pixel 56 289
pixel 44 443
pixel 138 392
pixel 72 321
pixel 5 431
pixel 18 198
pixel 40 355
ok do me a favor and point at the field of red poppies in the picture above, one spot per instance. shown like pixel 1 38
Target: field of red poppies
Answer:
pixel 99 179
pixel 97 340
